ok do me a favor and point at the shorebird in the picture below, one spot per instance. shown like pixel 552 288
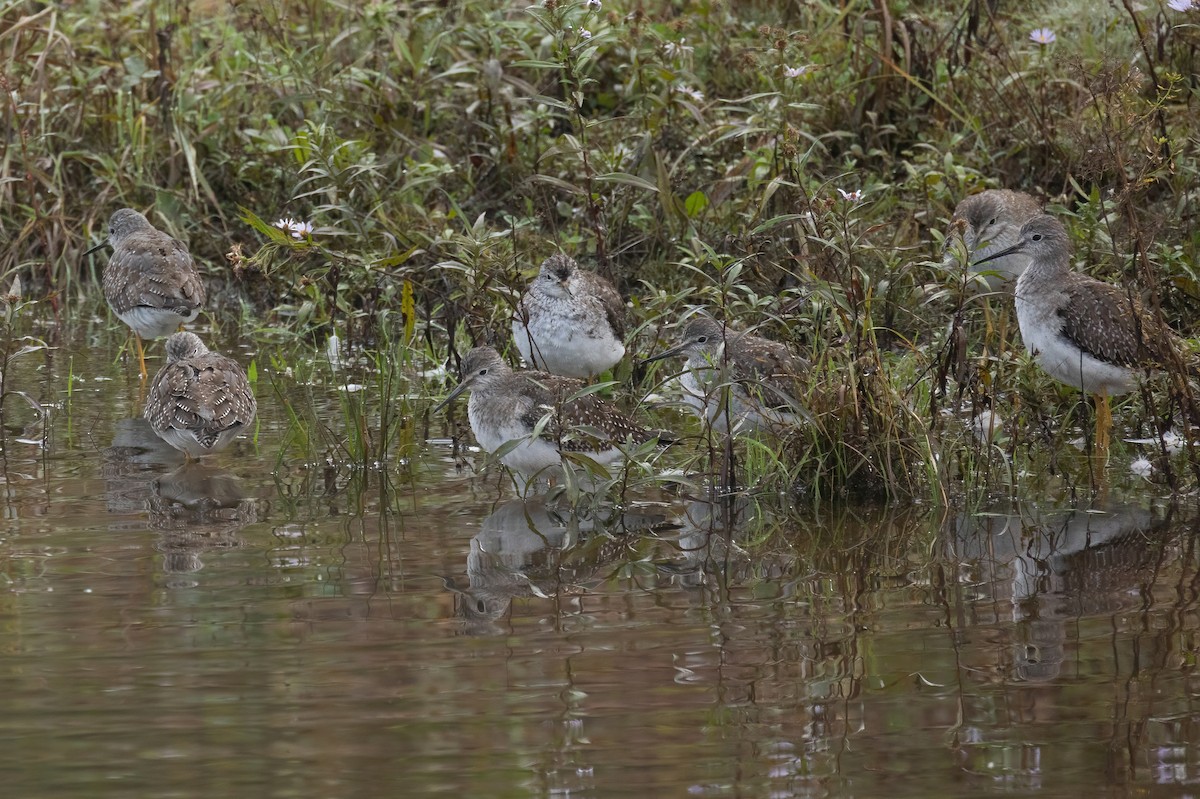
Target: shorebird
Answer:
pixel 201 400
pixel 151 281
pixel 1084 332
pixel 541 411
pixel 993 221
pixel 760 376
pixel 570 321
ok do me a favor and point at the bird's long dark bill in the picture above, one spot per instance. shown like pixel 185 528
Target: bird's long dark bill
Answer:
pixel 459 389
pixel 1001 254
pixel 665 354
pixel 99 246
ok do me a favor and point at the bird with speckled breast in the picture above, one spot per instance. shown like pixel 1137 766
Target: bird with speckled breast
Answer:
pixel 570 321
pixel 545 413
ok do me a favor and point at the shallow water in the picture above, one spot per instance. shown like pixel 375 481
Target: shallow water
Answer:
pixel 285 624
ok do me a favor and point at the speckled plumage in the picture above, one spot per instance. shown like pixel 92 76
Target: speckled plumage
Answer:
pixel 508 405
pixel 570 321
pixel 993 221
pixel 1084 332
pixel 151 281
pixel 759 373
pixel 201 400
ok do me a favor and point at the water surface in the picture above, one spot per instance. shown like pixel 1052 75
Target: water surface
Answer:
pixel 281 622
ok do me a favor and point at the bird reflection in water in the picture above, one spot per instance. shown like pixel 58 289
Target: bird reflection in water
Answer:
pixel 199 508
pixel 136 457
pixel 706 543
pixel 1050 570
pixel 528 548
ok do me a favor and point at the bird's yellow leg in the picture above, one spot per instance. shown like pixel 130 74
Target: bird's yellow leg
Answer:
pixel 988 324
pixel 1004 328
pixel 141 355
pixel 1103 425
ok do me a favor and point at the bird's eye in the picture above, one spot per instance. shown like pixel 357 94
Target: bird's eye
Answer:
pixel 1037 237
pixel 993 221
pixel 701 339
pixel 482 372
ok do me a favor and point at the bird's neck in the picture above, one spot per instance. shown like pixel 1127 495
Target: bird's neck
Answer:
pixel 1043 273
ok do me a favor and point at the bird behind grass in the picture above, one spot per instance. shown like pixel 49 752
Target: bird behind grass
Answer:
pixel 533 419
pixel 992 222
pixel 1082 331
pixel 570 321
pixel 736 381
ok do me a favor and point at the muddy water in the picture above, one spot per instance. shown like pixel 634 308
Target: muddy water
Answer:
pixel 277 622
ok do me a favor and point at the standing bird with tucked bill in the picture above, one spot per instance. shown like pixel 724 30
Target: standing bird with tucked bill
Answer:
pixel 570 322
pixel 151 281
pixel 201 400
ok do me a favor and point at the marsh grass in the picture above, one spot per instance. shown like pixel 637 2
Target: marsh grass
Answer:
pixel 15 346
pixel 789 167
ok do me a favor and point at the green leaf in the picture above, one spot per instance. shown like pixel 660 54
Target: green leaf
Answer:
pixel 775 221
pixel 595 388
pixel 532 64
pixel 695 204
pixel 626 179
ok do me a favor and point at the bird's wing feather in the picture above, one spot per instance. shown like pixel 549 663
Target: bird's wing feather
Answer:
pixel 155 271
pixel 581 424
pixel 208 394
pixel 610 300
pixel 769 363
pixel 1110 325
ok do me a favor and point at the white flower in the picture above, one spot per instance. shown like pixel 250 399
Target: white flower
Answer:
pixel 285 223
pixel 584 33
pixel 592 5
pixel 1042 36
pixel 795 72
pixel 676 49
pixel 1181 5
pixel 695 94
pixel 852 196
pixel 300 229
pixel 1141 467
